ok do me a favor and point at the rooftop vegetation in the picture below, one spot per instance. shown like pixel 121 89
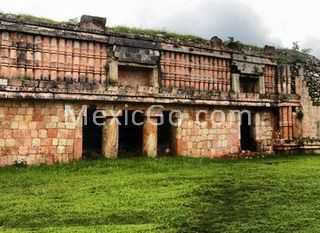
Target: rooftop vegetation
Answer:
pixel 158 33
pixel 31 18
pixel 293 55
pixel 283 55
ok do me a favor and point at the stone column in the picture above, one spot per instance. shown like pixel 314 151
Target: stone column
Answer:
pixel 176 145
pixel 290 123
pixel 110 132
pixel 113 72
pixel 235 82
pixel 150 136
pixel 262 86
pixel 286 123
pixel 284 79
pixel 154 79
pixel 279 77
pixel 288 79
pixel 110 138
pixel 299 79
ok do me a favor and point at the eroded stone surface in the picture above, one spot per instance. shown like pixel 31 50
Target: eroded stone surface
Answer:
pixel 110 138
pixel 45 67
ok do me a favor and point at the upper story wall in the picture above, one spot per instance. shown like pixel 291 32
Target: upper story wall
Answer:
pixel 185 70
pixel 47 59
pixel 29 56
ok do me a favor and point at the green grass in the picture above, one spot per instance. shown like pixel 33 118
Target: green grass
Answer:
pixel 157 33
pixel 32 18
pixel 275 194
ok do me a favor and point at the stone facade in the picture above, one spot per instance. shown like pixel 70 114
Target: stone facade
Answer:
pixel 36 132
pixel 265 129
pixel 311 116
pixel 208 138
pixel 46 67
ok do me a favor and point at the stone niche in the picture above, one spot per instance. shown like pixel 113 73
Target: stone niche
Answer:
pixel 249 84
pixel 248 77
pixel 134 67
pixel 135 75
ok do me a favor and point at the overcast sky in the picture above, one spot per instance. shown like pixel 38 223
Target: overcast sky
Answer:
pixel 260 22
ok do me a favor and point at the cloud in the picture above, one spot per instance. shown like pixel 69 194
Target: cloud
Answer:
pixel 314 44
pixel 222 18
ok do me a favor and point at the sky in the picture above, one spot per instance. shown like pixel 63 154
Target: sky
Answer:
pixel 273 22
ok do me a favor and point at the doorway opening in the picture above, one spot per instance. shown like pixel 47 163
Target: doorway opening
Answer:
pixel 247 142
pixel 249 84
pixel 130 134
pixel 92 135
pixel 165 135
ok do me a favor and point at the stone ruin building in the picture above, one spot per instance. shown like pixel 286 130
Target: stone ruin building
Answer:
pixel 48 67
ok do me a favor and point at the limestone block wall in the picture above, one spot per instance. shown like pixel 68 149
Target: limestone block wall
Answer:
pixel 207 139
pixel 29 56
pixel 265 130
pixel 311 116
pixel 213 140
pixel 36 132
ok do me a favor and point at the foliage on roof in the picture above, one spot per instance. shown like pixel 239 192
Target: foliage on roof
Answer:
pixel 293 55
pixel 158 33
pixel 234 44
pixel 31 18
pixel 283 55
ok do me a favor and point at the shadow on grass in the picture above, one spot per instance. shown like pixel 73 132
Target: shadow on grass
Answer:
pixel 221 205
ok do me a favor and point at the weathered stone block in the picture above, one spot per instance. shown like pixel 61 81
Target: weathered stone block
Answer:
pixel 93 23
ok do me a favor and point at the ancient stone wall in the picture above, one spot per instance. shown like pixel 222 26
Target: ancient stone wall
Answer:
pixel 311 114
pixel 210 137
pixel 270 79
pixel 183 70
pixel 207 138
pixel 265 127
pixel 307 118
pixel 51 57
pixel 35 132
pixel 28 56
pixel 43 67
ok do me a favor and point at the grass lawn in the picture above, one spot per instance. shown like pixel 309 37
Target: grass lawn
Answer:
pixel 275 194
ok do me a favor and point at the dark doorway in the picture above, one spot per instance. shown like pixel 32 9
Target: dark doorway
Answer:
pixel 130 134
pixel 92 135
pixel 247 141
pixel 165 135
pixel 249 84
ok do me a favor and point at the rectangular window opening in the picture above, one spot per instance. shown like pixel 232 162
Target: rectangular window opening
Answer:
pixel 249 84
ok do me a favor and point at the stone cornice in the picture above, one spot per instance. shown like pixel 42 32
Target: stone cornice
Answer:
pixel 149 95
